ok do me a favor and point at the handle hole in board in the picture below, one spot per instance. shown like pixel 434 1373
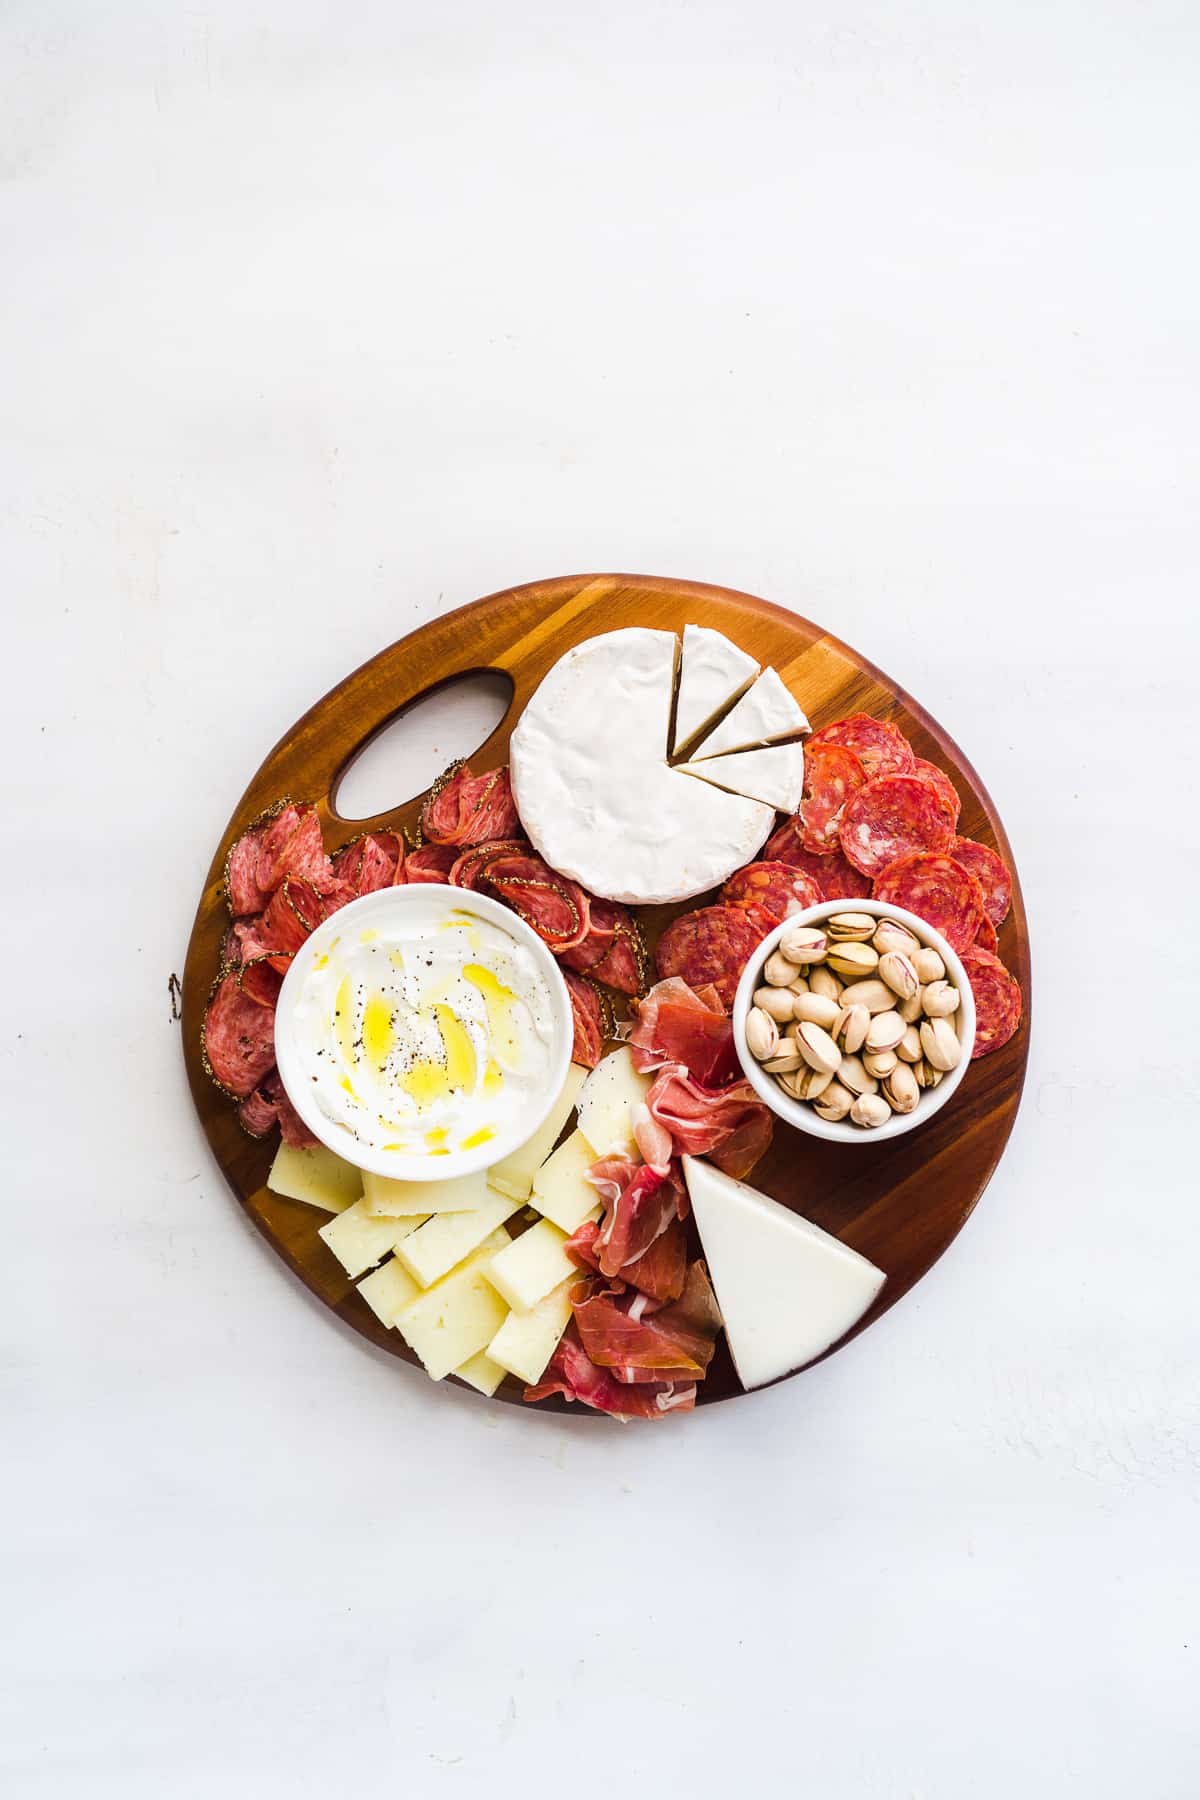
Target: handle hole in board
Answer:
pixel 408 753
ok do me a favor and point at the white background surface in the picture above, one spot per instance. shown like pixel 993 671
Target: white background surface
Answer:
pixel 317 319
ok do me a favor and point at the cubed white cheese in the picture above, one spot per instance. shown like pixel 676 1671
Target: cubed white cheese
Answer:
pixel 359 1241
pixel 786 1289
pixel 398 1199
pixel 448 1237
pixel 532 1264
pixel 388 1289
pixel 515 1174
pixel 316 1176
pixel 525 1342
pixel 480 1372
pixel 607 1103
pixel 561 1191
pixel 452 1321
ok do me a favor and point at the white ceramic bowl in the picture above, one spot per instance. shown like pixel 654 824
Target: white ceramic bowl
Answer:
pixel 378 909
pixel 799 1112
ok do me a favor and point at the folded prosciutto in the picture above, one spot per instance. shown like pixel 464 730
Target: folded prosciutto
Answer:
pixel 674 1025
pixel 644 1205
pixel 572 1372
pixel 729 1125
pixel 674 1343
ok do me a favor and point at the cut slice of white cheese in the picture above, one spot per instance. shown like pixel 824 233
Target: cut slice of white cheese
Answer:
pixel 360 1241
pixel 591 782
pixel 607 1102
pixel 480 1372
pixel 458 1316
pixel 767 712
pixel 448 1237
pixel 561 1191
pixel 387 1290
pixel 316 1176
pixel 773 774
pixel 532 1266
pixel 713 673
pixel 385 1198
pixel 515 1174
pixel 786 1289
pixel 525 1342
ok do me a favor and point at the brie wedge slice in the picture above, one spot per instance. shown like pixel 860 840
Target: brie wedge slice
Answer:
pixel 786 1289
pixel 713 673
pixel 768 712
pixel 774 774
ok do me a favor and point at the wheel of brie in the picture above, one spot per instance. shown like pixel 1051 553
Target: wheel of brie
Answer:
pixel 596 792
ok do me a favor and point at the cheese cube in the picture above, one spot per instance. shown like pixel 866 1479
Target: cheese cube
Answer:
pixel 387 1290
pixel 609 1098
pixel 479 1371
pixel 458 1316
pixel 532 1264
pixel 400 1199
pixel 316 1176
pixel 514 1175
pixel 525 1342
pixel 434 1250
pixel 359 1241
pixel 561 1191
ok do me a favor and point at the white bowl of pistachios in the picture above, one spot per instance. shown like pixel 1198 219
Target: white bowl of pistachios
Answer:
pixel 854 1021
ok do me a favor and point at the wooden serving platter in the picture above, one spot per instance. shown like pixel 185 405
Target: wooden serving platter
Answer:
pixel 900 1203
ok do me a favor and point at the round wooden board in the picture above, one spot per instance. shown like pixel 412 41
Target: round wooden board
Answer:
pixel 899 1203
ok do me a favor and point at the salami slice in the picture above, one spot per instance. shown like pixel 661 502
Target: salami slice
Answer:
pixel 985 937
pixel 257 1113
pixel 712 944
pixel 242 891
pixel 371 862
pixel 832 774
pixel 237 1039
pixel 770 892
pixel 997 1001
pixel 835 877
pixel 295 910
pixel 882 749
pixel 892 817
pixel 990 871
pixel 431 863
pixel 261 978
pixel 466 809
pixel 587 1013
pixel 941 781
pixel 553 905
pixel 293 847
pixel 623 965
pixel 469 866
pixel 940 891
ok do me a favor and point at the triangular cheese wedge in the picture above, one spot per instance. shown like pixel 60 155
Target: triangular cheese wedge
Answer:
pixel 713 673
pixel 786 1289
pixel 774 775
pixel 767 712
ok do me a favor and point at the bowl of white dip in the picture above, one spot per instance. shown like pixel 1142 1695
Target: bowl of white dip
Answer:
pixel 423 1032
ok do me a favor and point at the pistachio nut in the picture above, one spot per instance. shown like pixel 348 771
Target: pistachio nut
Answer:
pixel 817 1047
pixel 786 1059
pixel 804 944
pixel 819 1009
pixel 823 981
pixel 874 994
pixel 834 1103
pixel 939 999
pixel 853 1075
pixel 879 1063
pixel 776 1001
pixel 870 1110
pixel 939 1041
pixel 762 1034
pixel 909 1048
pixel 851 1028
pixel 885 1031
pixel 890 934
pixel 900 1089
pixel 854 960
pixel 850 927
pixel 778 971
pixel 898 971
pixel 928 964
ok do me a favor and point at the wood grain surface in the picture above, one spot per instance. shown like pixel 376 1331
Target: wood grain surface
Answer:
pixel 899 1203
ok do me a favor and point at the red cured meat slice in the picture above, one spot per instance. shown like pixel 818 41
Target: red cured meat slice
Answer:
pixel 572 1372
pixel 674 1025
pixel 712 944
pixel 770 892
pixel 997 1001
pixel 641 1212
pixel 470 865
pixel 242 890
pixel 613 951
pixel 293 847
pixel 581 1247
pixel 551 904
pixel 835 877
pixel 431 863
pixel 661 1270
pixel 261 978
pixel 703 1121
pixel 587 1014
pixel 295 910
pixel 940 891
pixel 990 871
pixel 257 1113
pixel 467 809
pixel 895 816
pixel 238 1039
pixel 939 779
pixel 881 748
pixel 674 1344
pixel 248 934
pixel 832 774
pixel 371 862
pixel 985 937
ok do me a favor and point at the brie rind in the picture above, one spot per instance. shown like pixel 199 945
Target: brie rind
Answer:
pixel 713 673
pixel 774 774
pixel 786 1289
pixel 767 712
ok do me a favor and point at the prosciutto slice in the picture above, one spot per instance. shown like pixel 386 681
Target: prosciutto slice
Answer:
pixel 674 1025
pixel 572 1373
pixel 643 1209
pixel 730 1125
pixel 658 1274
pixel 673 1344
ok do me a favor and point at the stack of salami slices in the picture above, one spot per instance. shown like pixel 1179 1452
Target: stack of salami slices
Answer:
pixel 874 820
